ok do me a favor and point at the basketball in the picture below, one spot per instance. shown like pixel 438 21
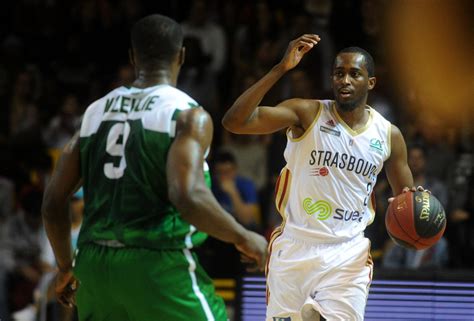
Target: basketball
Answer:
pixel 415 220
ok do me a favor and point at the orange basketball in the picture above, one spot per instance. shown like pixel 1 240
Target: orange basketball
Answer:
pixel 415 220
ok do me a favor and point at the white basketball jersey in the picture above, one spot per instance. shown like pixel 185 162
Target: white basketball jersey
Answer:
pixel 324 193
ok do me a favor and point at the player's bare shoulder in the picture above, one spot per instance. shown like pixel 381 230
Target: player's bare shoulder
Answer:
pixel 306 109
pixel 195 122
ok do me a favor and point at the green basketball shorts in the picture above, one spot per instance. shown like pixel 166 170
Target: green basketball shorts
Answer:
pixel 120 284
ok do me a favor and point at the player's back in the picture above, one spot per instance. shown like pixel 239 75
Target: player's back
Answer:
pixel 125 137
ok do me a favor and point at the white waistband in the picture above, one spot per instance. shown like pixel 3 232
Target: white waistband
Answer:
pixel 305 237
pixel 109 243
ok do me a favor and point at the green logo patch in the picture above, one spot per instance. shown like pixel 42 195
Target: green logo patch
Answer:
pixel 321 208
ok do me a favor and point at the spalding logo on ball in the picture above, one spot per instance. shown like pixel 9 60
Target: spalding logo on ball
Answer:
pixel 415 220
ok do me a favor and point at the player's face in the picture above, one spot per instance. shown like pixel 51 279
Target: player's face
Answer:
pixel 351 81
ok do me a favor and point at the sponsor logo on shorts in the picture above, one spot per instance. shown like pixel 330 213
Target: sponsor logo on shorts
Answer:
pixel 281 319
pixel 330 131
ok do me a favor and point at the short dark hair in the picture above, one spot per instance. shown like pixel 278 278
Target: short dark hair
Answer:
pixel 369 61
pixel 417 145
pixel 156 39
pixel 224 157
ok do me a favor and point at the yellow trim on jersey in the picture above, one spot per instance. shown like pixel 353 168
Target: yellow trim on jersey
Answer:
pixel 349 129
pixel 308 129
pixel 389 140
pixel 282 191
pixel 371 208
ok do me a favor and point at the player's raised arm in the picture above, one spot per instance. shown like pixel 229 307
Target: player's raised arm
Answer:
pixel 245 117
pixel 188 191
pixel 398 173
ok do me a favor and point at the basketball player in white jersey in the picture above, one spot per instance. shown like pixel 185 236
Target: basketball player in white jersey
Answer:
pixel 320 264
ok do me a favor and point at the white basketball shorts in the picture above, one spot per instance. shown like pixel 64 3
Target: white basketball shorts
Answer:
pixel 332 279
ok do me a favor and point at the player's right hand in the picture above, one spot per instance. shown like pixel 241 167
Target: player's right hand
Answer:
pixel 66 287
pixel 254 249
pixel 297 49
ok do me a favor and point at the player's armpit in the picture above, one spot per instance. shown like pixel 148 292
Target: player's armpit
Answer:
pixel 396 167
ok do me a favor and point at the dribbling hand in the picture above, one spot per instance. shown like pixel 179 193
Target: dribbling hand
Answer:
pixel 297 49
pixel 412 189
pixel 253 252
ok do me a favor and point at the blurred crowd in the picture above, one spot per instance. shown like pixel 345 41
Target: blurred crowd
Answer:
pixel 59 56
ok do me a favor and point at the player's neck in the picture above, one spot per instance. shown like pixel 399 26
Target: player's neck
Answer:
pixel 147 78
pixel 354 118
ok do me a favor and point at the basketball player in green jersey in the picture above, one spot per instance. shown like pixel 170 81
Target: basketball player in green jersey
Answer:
pixel 140 156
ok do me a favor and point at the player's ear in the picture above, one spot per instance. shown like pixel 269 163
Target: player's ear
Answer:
pixel 182 54
pixel 131 57
pixel 372 81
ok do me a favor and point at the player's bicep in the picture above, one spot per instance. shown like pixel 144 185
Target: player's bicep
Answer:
pixel 66 176
pixel 184 166
pixel 398 172
pixel 267 120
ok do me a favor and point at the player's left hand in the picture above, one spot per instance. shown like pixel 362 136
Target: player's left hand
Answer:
pixel 66 287
pixel 411 189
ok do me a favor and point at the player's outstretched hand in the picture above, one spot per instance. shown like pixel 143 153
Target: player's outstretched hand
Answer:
pixel 297 49
pixel 66 287
pixel 254 251
pixel 411 189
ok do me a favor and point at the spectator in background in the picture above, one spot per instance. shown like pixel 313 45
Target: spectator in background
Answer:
pixel 24 114
pixel 235 193
pixel 195 77
pixel 461 212
pixel 250 155
pixel 238 196
pixel 20 239
pixel 438 150
pixel 210 34
pixel 62 127
pixel 418 163
pixel 398 257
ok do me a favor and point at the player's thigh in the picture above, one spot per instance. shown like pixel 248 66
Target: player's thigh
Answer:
pixel 169 285
pixel 342 293
pixel 285 279
pixel 95 296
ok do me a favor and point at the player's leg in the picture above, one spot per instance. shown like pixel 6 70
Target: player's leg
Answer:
pixel 94 297
pixel 342 292
pixel 167 285
pixel 285 279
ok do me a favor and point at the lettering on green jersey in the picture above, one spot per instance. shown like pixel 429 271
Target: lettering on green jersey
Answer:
pixel 124 104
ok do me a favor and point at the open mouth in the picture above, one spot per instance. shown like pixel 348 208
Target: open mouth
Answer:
pixel 345 93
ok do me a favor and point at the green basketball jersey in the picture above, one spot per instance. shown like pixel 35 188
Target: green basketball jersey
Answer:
pixel 124 142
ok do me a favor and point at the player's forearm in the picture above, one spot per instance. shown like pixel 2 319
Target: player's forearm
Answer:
pixel 57 223
pixel 244 107
pixel 202 210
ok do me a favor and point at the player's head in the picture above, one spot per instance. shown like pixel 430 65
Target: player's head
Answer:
pixel 352 77
pixel 157 43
